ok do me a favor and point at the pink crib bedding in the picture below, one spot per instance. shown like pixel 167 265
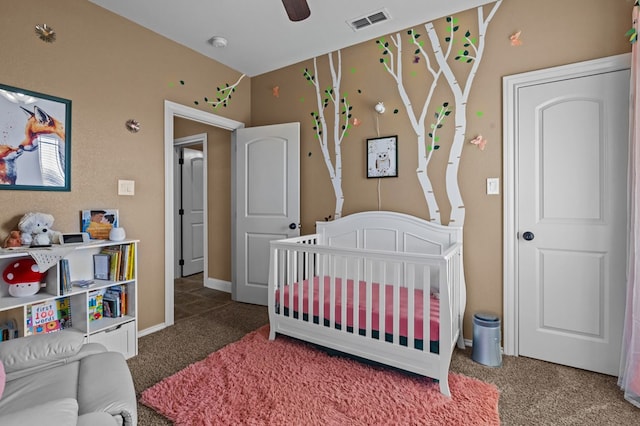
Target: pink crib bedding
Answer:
pixel 389 302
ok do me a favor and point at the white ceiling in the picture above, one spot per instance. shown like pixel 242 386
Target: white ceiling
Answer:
pixel 260 36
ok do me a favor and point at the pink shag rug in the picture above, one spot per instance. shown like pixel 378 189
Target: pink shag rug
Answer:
pixel 286 382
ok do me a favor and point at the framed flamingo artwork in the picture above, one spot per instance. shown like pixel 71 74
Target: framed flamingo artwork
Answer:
pixel 35 141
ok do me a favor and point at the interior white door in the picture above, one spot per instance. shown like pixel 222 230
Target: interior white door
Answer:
pixel 192 211
pixel 571 199
pixel 266 184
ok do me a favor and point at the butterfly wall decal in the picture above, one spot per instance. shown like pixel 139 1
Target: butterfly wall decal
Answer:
pixel 479 141
pixel 515 39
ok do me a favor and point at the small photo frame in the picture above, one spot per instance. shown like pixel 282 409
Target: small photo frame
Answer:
pixel 99 222
pixel 382 157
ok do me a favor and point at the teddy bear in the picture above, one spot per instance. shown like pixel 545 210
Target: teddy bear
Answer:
pixel 14 239
pixel 36 229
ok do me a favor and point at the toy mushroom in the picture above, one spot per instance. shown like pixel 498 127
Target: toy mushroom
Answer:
pixel 24 277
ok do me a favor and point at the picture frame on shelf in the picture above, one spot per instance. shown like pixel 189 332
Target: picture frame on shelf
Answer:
pixel 36 147
pixel 382 157
pixel 99 222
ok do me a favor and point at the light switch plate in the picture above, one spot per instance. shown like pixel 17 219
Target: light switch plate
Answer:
pixel 493 186
pixel 126 187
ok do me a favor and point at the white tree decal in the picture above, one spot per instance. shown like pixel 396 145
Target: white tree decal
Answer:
pixel 428 141
pixel 341 114
pixel 223 95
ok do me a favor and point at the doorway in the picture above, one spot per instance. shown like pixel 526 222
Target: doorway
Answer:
pixel 171 111
pixel 191 229
pixel 566 132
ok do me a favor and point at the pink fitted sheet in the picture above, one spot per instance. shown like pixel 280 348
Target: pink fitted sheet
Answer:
pixel 404 306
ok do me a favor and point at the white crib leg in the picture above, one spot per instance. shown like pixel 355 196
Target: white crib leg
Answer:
pixel 444 385
pixel 461 335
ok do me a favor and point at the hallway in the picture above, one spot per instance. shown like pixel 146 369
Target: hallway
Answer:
pixel 191 298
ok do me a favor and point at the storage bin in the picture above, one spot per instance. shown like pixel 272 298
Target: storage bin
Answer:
pixel 486 340
pixel 120 338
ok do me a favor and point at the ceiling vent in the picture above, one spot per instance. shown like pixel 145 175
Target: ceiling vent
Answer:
pixel 369 19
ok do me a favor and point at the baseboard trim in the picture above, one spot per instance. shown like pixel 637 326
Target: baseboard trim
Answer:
pixel 216 284
pixel 152 329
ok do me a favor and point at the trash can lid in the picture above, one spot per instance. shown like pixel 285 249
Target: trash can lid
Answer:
pixel 486 317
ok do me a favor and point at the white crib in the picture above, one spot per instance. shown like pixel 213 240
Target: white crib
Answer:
pixel 364 284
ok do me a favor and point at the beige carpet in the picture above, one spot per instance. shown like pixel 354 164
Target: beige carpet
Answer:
pixel 531 392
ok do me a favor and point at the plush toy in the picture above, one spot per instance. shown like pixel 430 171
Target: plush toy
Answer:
pixel 36 229
pixel 14 239
pixel 24 277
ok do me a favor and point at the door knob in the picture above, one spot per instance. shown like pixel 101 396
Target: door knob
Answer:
pixel 528 236
pixel 293 226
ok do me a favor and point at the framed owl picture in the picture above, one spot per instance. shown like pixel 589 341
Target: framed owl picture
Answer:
pixel 382 157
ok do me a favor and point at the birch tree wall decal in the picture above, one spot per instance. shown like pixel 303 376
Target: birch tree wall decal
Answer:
pixel 340 114
pixel 223 94
pixel 438 68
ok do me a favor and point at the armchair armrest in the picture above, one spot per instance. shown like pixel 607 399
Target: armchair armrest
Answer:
pixel 112 392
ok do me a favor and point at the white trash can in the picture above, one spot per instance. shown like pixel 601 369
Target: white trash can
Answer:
pixel 486 340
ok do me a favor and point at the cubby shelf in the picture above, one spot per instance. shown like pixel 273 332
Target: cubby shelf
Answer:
pixel 117 334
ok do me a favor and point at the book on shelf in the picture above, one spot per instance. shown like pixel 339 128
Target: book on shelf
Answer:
pixel 120 263
pixel 9 330
pixel 83 283
pixel 101 266
pixel 95 305
pixel 49 316
pixel 114 261
pixel 132 254
pixel 65 277
pixel 115 301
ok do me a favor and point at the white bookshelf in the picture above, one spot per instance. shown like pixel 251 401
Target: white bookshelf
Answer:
pixel 117 334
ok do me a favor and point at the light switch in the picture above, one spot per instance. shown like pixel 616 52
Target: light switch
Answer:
pixel 126 187
pixel 493 186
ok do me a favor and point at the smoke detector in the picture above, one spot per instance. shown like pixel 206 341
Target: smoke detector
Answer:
pixel 218 41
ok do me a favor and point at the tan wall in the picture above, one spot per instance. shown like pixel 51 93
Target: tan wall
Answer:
pixel 219 194
pixel 553 33
pixel 112 70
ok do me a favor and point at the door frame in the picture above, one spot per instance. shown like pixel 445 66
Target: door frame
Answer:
pixel 510 98
pixel 171 110
pixel 179 143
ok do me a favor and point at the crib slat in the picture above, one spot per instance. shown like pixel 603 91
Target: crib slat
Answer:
pixel 343 295
pixel 310 280
pixel 299 273
pixel 381 298
pixel 291 281
pixel 410 277
pixel 356 296
pixel 280 279
pixel 368 317
pixel 426 309
pixel 396 304
pixel 321 281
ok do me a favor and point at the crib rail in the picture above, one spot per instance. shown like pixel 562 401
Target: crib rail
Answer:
pixel 373 278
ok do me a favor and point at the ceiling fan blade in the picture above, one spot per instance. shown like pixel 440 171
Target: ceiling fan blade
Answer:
pixel 297 10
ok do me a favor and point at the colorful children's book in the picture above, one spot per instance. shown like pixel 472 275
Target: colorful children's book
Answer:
pixel 64 312
pixel 44 317
pixel 95 305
